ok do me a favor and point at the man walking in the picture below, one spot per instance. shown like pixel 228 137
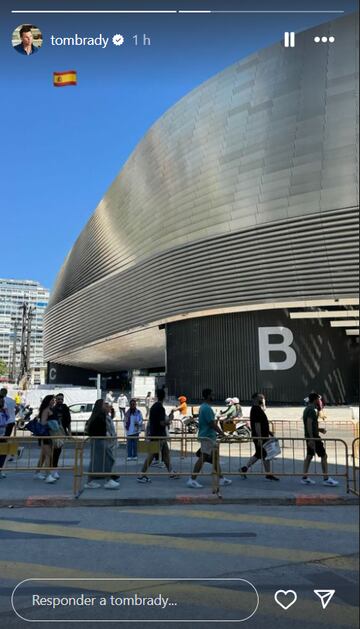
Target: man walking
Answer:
pixel 260 432
pixel 157 428
pixel 208 429
pixel 10 406
pixel 313 445
pixel 123 402
pixel 61 413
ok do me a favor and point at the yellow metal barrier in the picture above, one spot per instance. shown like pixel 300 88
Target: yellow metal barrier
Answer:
pixel 355 467
pixel 31 449
pixel 151 445
pixel 232 452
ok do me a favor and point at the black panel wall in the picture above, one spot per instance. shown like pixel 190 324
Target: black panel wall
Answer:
pixel 222 352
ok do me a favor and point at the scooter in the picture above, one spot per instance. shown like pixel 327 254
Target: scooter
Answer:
pixel 23 417
pixel 242 430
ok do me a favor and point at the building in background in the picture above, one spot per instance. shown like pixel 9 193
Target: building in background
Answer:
pixel 22 307
pixel 227 247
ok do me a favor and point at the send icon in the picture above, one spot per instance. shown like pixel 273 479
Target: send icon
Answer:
pixel 325 596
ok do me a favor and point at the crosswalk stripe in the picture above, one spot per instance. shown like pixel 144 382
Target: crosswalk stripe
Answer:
pixel 244 517
pixel 189 545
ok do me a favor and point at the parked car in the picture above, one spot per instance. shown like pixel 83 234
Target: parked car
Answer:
pixel 80 413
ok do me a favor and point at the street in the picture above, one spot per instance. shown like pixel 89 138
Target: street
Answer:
pixel 274 548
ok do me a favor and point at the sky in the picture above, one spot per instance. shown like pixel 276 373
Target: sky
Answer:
pixel 63 147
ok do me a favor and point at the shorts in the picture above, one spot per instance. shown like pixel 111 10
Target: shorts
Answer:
pixel 319 449
pixel 206 450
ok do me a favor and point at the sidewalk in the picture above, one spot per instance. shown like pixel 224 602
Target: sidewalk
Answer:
pixel 21 489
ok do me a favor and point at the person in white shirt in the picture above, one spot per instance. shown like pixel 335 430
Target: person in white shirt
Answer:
pixel 133 427
pixel 148 404
pixel 123 402
pixel 110 397
pixel 10 406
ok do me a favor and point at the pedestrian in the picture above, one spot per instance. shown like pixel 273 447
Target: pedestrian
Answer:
pixel 260 431
pixel 133 427
pixel 111 432
pixel 208 430
pixel 148 403
pixel 10 406
pixel 61 413
pixel 4 419
pixel 46 444
pixel 101 456
pixel 313 444
pixel 110 397
pixel 123 402
pixel 158 423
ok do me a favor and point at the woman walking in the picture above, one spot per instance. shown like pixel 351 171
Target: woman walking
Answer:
pixel 46 444
pixel 101 456
pixel 133 427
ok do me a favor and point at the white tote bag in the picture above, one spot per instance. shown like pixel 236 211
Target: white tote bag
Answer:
pixel 272 449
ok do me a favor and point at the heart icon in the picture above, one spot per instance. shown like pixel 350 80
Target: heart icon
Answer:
pixel 289 597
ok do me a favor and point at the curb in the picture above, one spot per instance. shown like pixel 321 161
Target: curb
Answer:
pixel 290 500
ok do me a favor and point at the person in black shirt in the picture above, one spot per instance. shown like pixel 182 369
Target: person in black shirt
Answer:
pixel 61 412
pixel 313 443
pixel 158 423
pixel 259 428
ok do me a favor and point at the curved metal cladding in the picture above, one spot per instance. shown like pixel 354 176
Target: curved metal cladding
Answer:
pixel 243 193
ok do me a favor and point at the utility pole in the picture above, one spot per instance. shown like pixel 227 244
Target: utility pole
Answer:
pixel 13 358
pixel 30 316
pixel 22 369
pixel 25 348
pixel 98 385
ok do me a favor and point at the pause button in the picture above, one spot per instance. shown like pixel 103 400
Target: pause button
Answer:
pixel 289 39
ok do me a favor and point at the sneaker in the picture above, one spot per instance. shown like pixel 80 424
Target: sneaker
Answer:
pixel 129 458
pixel 111 484
pixel 39 476
pixel 173 474
pixel 193 484
pixel 271 477
pixel 155 464
pixel 11 459
pixel 50 479
pixel 143 479
pixel 2 475
pixel 92 485
pixel 307 481
pixel 224 481
pixel 330 482
pixel 20 451
pixel 134 458
pixel 56 475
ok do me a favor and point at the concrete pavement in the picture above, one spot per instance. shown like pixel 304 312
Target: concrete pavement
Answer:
pixel 19 488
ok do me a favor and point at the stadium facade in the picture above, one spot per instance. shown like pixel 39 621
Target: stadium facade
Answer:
pixel 226 249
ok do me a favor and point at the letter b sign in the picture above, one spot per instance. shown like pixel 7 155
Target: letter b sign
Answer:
pixel 284 346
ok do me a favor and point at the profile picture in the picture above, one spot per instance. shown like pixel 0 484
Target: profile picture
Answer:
pixel 27 39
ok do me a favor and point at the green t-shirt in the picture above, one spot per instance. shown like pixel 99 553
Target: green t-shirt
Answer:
pixel 206 418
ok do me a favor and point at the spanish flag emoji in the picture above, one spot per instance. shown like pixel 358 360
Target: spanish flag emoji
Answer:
pixel 65 78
